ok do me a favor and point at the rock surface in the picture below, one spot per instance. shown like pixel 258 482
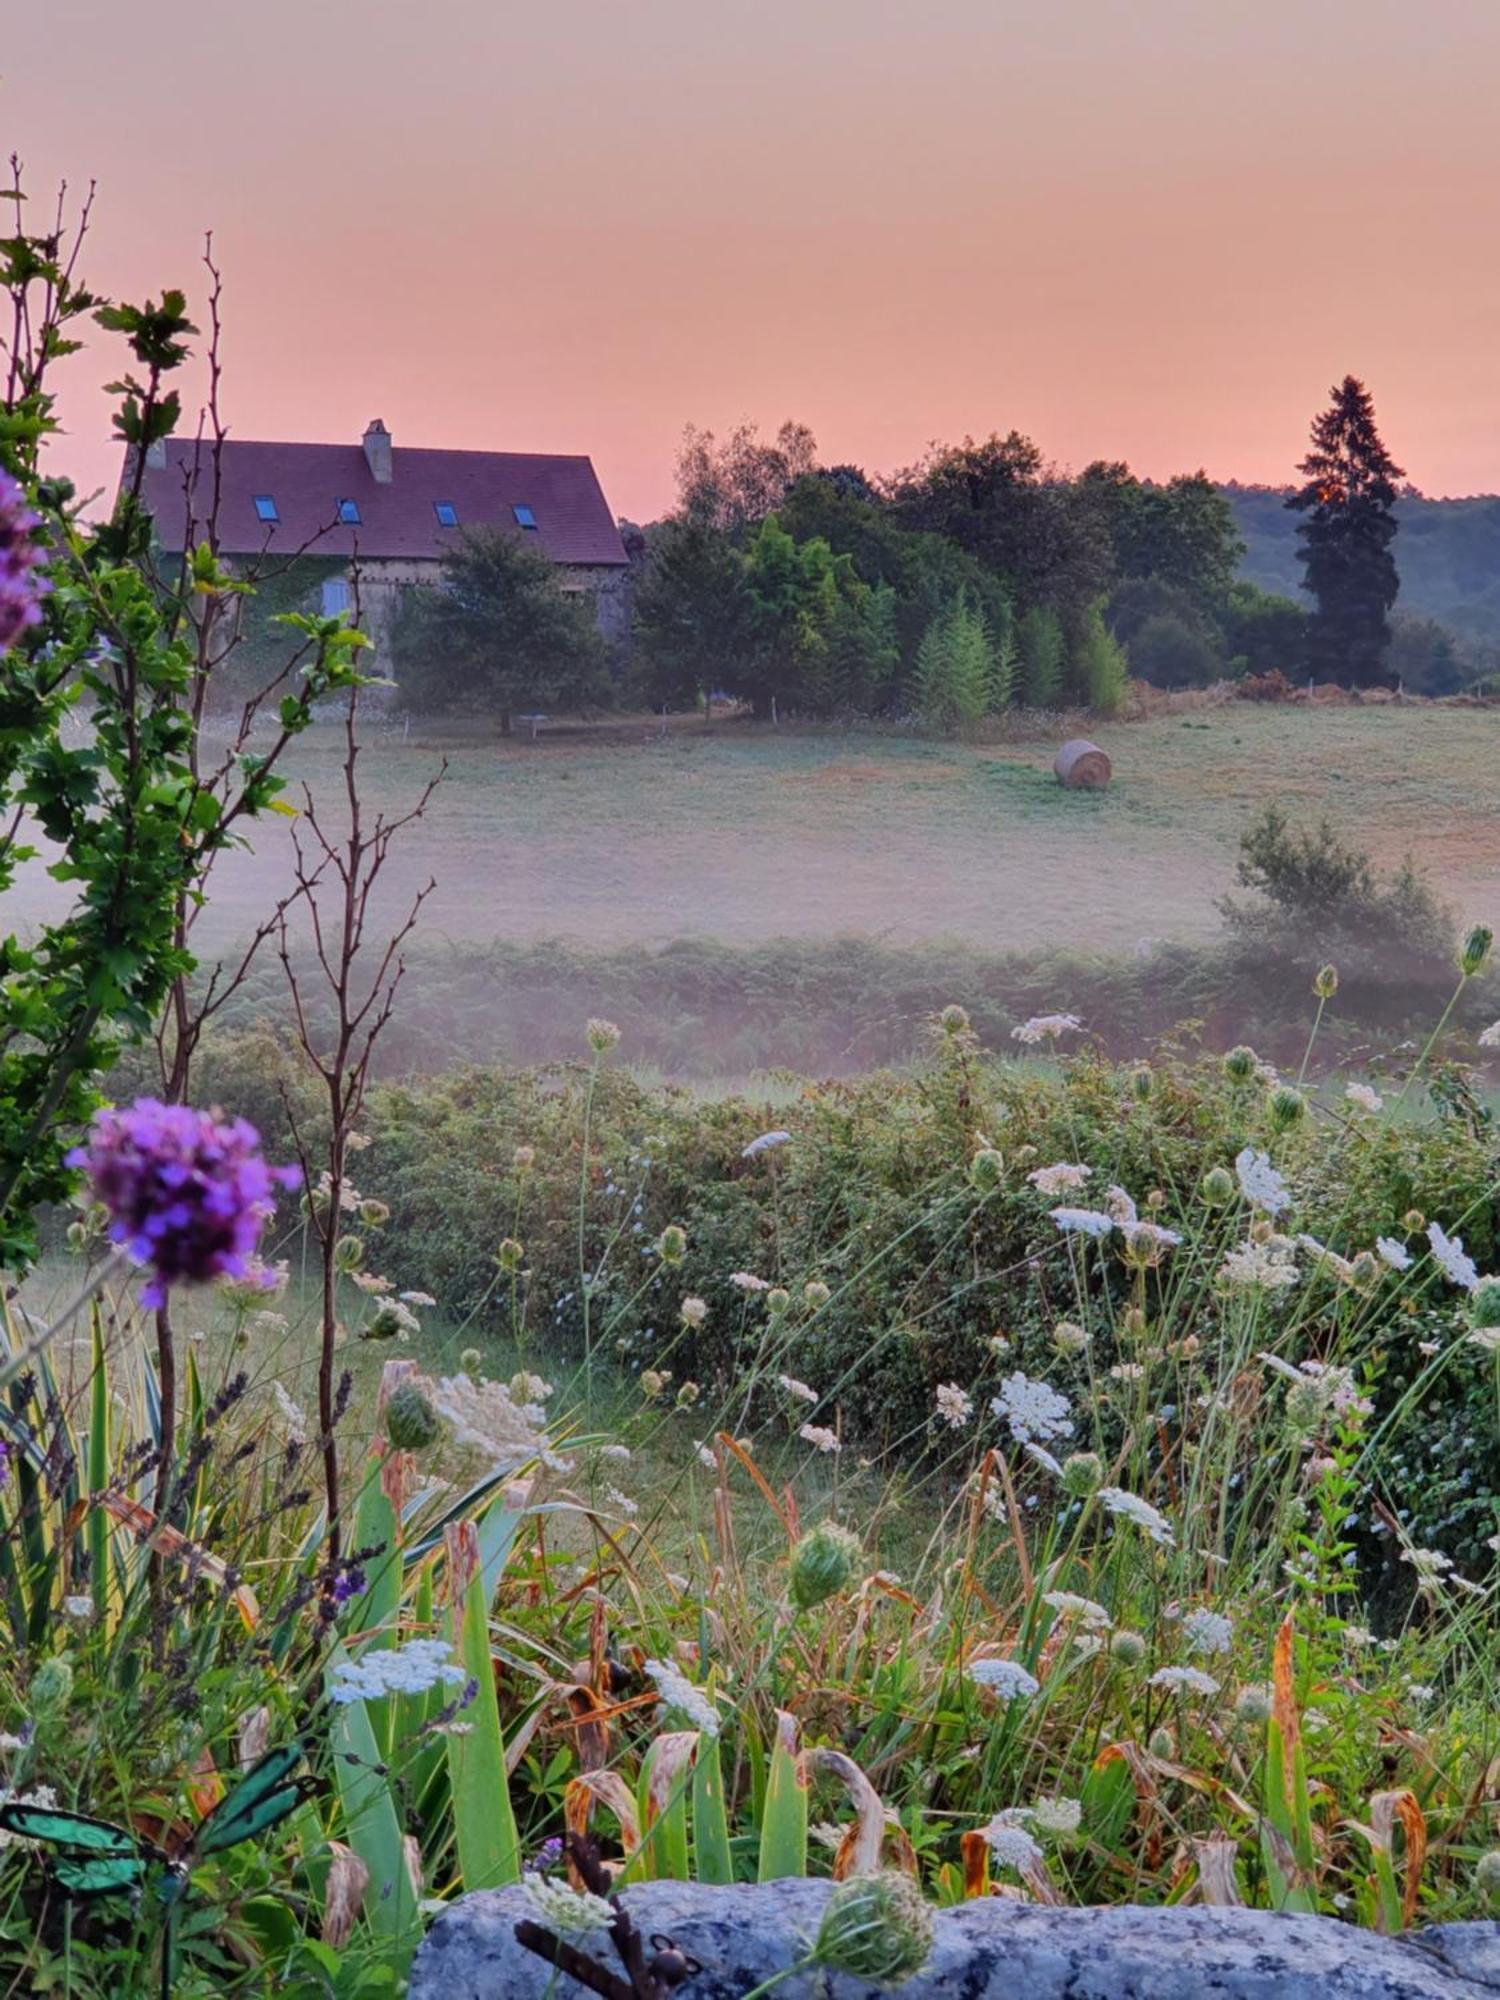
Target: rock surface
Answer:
pixel 993 1949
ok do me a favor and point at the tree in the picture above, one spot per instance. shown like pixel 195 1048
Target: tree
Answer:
pixel 1264 633
pixel 1348 498
pixel 497 632
pixel 1182 534
pixel 955 668
pixel 692 613
pixel 1043 652
pixel 1169 652
pixel 733 486
pixel 795 592
pixel 1103 669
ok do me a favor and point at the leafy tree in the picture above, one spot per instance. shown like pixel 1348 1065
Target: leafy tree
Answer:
pixel 1103 668
pixel 1182 533
pixel 1425 658
pixel 1264 633
pixel 1170 653
pixel 954 670
pixel 733 486
pixel 1349 499
pixel 796 592
pixel 692 613
pixel 497 632
pixel 1043 653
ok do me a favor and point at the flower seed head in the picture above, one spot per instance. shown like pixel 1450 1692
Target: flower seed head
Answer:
pixel 411 1423
pixel 1218 1186
pixel 1326 984
pixel 602 1036
pixel 1475 949
pixel 876 1928
pixel 1286 1106
pixel 822 1563
pixel 1240 1064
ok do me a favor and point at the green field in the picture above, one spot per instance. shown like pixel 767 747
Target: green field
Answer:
pixel 742 833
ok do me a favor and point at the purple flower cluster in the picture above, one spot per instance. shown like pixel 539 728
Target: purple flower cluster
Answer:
pixel 187 1193
pixel 20 589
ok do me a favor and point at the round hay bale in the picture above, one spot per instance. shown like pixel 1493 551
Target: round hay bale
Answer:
pixel 1082 766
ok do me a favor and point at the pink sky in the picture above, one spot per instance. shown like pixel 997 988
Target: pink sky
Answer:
pixel 1147 229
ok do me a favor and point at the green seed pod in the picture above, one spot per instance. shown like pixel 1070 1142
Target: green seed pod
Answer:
pixel 1253 1704
pixel 1240 1064
pixel 876 1928
pixel 1162 1743
pixel 471 1361
pixel 1475 949
pixel 816 1293
pixel 411 1423
pixel 986 1169
pixel 1286 1106
pixel 348 1254
pixel 510 1256
pixel 1129 1648
pixel 1218 1186
pixel 52 1683
pixel 778 1301
pixel 953 1019
pixel 1414 1221
pixel 373 1213
pixel 1327 982
pixel 822 1564
pixel 672 1243
pixel 1082 1474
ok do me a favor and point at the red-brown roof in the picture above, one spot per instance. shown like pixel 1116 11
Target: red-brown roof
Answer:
pixel 307 481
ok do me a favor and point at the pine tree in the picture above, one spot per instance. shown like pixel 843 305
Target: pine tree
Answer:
pixel 1349 500
pixel 1004 658
pixel 1105 665
pixel 953 669
pixel 1042 655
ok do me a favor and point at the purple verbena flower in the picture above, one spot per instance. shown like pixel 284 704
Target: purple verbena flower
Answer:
pixel 4 1464
pixel 20 588
pixel 547 1856
pixel 187 1193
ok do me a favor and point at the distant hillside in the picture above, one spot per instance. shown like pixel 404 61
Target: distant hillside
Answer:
pixel 1448 554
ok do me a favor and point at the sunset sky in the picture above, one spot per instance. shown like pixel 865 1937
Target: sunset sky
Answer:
pixel 1146 229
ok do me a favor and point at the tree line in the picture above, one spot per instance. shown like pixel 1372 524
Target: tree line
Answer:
pixel 978 579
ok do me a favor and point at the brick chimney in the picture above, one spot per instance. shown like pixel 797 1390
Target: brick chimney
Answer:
pixel 377 443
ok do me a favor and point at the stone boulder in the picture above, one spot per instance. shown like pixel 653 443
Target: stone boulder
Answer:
pixel 992 1949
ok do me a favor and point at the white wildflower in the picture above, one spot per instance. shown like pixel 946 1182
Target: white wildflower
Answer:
pixel 485 1416
pixel 1127 1371
pixel 706 1457
pixel 292 1416
pixel 1005 1679
pixel 1010 1843
pixel 1067 1604
pixel 766 1143
pixel 1068 1337
pixel 1060 1179
pixel 1083 1221
pixel 820 1437
pixel 622 1502
pixel 566 1911
pixel 799 1391
pixel 1206 1631
pixel 746 1281
pixel 417 1298
pixel 955 1406
pixel 1260 1183
pixel 1130 1507
pixel 1183 1680
pixel 679 1693
pixel 1039 1455
pixel 1364 1098
pixel 1430 1564
pixel 414 1668
pixel 1032 1409
pixel 1419 1691
pixel 693 1311
pixel 1489 1038
pixel 1450 1253
pixel 1264 1267
pixel 1058 1816
pixel 1393 1253
pixel 1046 1028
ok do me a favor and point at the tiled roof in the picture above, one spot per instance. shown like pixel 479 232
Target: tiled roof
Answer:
pixel 398 519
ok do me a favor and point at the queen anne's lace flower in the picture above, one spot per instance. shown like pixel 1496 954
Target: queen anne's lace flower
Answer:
pixel 1083 1221
pixel 1393 1253
pixel 955 1406
pixel 1264 1267
pixel 1205 1631
pixel 1010 1843
pixel 569 1912
pixel 187 1193
pixel 1007 1680
pixel 1130 1507
pixel 798 1391
pixel 1058 1816
pixel 1060 1179
pixel 1067 1604
pixel 1450 1253
pixel 1260 1183
pixel 820 1438
pixel 679 1693
pixel 1045 1028
pixel 1184 1680
pixel 414 1668
pixel 485 1416
pixel 1032 1409
pixel 1489 1038
pixel 1362 1096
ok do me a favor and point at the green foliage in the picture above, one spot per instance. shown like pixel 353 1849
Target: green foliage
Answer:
pixel 692 613
pixel 1104 669
pixel 955 669
pixel 1043 652
pixel 1348 500
pixel 499 632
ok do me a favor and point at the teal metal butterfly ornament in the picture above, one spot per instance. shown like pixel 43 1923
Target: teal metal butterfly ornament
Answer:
pixel 92 1857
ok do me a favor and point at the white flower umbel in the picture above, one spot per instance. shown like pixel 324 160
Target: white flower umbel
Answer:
pixel 679 1693
pixel 416 1667
pixel 1032 1409
pixel 1184 1680
pixel 1083 1221
pixel 1455 1260
pixel 1205 1631
pixel 566 1911
pixel 1389 1251
pixel 1260 1183
pixel 1064 1178
pixel 1046 1028
pixel 746 1281
pixel 485 1416
pixel 1130 1507
pixel 955 1406
pixel 1489 1038
pixel 1007 1680
pixel 1010 1843
pixel 1058 1816
pixel 1363 1097
pixel 1067 1604
pixel 820 1438
pixel 799 1391
pixel 1260 1267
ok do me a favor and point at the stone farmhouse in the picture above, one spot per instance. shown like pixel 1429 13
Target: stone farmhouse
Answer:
pixel 393 510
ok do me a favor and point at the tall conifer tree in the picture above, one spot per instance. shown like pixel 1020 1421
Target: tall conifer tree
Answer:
pixel 1349 501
